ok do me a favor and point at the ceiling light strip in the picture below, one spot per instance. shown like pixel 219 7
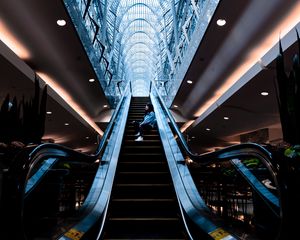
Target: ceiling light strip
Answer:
pixel 69 101
pixel 284 27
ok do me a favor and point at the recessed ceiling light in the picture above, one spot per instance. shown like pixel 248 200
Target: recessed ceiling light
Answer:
pixel 207 129
pixel 193 137
pixel 189 81
pixel 105 106
pixel 61 22
pixel 67 124
pixel 91 80
pixel 175 106
pixel 264 93
pixel 87 137
pixel 226 118
pixel 49 112
pixel 221 22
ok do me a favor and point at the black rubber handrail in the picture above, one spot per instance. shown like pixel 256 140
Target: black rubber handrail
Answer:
pixel 48 150
pixel 65 151
pixel 227 153
pixel 206 158
pixel 99 149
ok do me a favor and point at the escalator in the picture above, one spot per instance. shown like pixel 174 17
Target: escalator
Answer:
pixel 143 203
pixel 144 190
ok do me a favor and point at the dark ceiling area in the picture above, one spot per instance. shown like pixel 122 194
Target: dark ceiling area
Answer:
pixel 223 49
pixel 247 110
pixel 221 52
pixel 55 51
pixel 76 135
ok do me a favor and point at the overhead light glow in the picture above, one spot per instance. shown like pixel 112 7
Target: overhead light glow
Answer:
pixel 186 125
pixel 284 26
pixel 175 106
pixel 87 137
pixel 105 106
pixel 264 93
pixel 12 42
pixel 61 22
pixel 91 80
pixel 67 124
pixel 69 100
pixel 226 118
pixel 189 81
pixel 49 113
pixel 207 129
pixel 221 22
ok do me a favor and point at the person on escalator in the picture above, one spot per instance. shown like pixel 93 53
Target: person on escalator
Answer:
pixel 148 123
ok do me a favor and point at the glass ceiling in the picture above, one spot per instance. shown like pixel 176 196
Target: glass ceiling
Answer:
pixel 137 31
pixel 139 41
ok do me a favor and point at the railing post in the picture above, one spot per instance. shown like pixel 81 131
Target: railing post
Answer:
pixel 150 87
pixel 130 87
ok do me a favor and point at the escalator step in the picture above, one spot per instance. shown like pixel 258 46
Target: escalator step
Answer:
pixel 146 142
pixel 143 149
pixel 137 157
pixel 143 166
pixel 143 208
pixel 148 190
pixel 144 177
pixel 144 228
pixel 143 202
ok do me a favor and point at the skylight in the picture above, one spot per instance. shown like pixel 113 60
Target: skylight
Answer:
pixel 140 41
pixel 136 35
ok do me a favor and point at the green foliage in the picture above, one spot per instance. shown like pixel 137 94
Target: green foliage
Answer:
pixel 293 151
pixel 288 95
pixel 25 120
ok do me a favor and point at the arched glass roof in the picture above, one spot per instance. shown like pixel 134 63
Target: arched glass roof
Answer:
pixel 141 40
pixel 137 31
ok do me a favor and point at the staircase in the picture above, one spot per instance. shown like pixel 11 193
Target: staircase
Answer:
pixel 143 203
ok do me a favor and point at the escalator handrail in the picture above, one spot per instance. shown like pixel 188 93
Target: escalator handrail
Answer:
pixel 100 147
pixel 206 158
pixel 227 153
pixel 47 150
